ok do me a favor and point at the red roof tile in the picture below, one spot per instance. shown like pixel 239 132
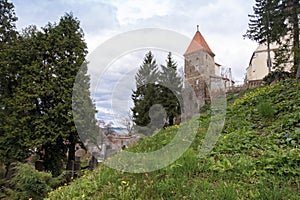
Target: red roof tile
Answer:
pixel 197 44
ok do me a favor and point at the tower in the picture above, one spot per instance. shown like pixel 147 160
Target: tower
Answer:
pixel 199 67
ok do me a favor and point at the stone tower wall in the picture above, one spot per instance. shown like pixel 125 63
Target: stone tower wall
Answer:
pixel 198 68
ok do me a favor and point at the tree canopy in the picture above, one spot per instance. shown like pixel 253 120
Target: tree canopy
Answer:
pixel 277 21
pixel 157 94
pixel 38 71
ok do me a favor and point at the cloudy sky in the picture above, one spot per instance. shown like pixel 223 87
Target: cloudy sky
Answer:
pixel 221 22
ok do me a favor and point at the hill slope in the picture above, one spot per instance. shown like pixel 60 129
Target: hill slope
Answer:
pixel 256 157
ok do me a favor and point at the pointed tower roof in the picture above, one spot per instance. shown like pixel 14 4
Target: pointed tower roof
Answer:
pixel 198 43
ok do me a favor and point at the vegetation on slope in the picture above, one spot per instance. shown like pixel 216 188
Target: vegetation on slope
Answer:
pixel 256 157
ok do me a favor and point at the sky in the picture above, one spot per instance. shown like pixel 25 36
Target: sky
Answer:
pixel 221 22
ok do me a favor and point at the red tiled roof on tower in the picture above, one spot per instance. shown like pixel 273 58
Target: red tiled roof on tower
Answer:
pixel 197 44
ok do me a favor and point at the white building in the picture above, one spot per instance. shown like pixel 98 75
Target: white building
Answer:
pixel 258 67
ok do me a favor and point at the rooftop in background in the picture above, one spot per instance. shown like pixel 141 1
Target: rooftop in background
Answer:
pixel 198 43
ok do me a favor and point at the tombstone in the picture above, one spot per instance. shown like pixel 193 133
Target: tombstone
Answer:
pixel 80 152
pixel 93 161
pixel 103 152
pixel 77 163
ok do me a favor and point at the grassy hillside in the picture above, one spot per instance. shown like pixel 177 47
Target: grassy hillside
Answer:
pixel 256 157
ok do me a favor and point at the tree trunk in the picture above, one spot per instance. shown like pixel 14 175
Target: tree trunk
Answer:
pixel 171 120
pixel 296 42
pixel 269 63
pixel 71 156
pixel 298 73
pixel 6 169
pixel 53 159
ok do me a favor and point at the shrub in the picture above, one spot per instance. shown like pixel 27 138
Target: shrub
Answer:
pixel 29 183
pixel 276 75
pixel 266 109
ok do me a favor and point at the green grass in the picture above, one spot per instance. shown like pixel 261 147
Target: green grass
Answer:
pixel 256 157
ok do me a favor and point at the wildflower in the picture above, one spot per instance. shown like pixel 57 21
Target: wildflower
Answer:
pixel 287 135
pixel 124 183
pixel 225 136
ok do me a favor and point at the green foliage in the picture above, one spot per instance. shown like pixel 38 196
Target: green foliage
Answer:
pixel 8 19
pixel 266 109
pixel 274 20
pixel 171 87
pixel 83 107
pixel 38 69
pixel 145 94
pixel 30 183
pixel 267 23
pixel 153 87
pixel 291 10
pixel 276 76
pixel 11 130
pixel 254 158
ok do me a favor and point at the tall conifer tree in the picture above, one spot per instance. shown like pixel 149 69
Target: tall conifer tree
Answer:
pixel 171 87
pixel 36 94
pixel 291 13
pixel 277 21
pixel 266 24
pixel 145 95
pixel 10 149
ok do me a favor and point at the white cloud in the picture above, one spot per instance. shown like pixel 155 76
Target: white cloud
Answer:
pixel 222 23
pixel 129 12
pixel 105 110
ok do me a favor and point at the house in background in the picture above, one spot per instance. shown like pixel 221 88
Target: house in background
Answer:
pixel 258 68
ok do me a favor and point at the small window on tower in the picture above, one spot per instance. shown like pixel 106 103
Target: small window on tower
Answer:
pixel 197 58
pixel 206 57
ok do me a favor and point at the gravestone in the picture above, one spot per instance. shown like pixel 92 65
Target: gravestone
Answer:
pixel 93 161
pixel 77 163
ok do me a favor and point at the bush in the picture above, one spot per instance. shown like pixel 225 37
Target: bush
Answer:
pixel 276 75
pixel 266 109
pixel 29 183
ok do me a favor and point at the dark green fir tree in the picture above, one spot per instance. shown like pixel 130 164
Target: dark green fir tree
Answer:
pixel 145 95
pixel 170 90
